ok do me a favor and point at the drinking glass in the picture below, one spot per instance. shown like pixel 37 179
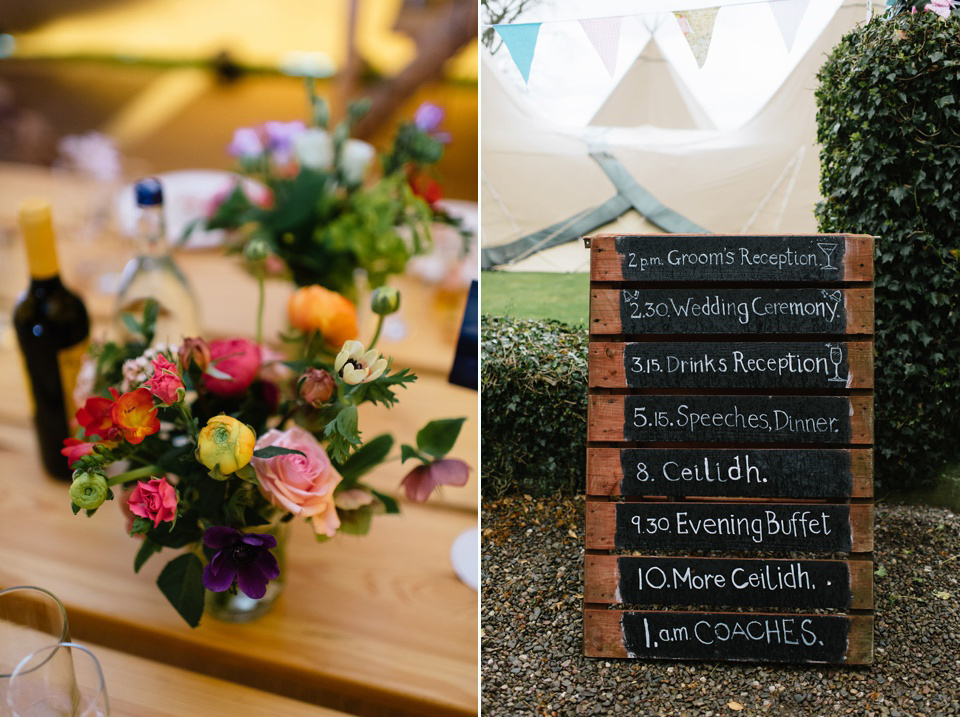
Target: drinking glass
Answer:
pixel 30 618
pixel 61 680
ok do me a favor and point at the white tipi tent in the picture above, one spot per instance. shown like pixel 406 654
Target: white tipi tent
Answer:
pixel 760 178
pixel 666 99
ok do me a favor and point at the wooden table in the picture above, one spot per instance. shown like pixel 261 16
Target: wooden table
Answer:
pixel 137 687
pixel 378 625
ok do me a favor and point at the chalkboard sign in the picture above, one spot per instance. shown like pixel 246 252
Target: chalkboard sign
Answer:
pixel 826 312
pixel 724 419
pixel 715 258
pixel 729 582
pixel 830 366
pixel 729 440
pixel 736 473
pixel 742 636
pixel 753 527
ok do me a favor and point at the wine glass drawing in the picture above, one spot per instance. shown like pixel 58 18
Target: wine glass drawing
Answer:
pixel 836 358
pixel 827 249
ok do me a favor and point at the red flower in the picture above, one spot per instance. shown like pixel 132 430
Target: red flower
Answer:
pixel 426 188
pixel 135 415
pixel 95 415
pixel 75 449
pixel 239 359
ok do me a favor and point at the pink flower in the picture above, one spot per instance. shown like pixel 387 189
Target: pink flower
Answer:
pixel 940 7
pixel 302 485
pixel 75 449
pixel 421 481
pixel 165 384
pixel 154 500
pixel 239 359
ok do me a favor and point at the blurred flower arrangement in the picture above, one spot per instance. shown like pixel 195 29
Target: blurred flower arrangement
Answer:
pixel 317 218
pixel 221 443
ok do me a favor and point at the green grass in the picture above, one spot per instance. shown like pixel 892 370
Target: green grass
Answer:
pixel 564 297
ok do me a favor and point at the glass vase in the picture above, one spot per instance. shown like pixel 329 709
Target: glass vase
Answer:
pixel 237 607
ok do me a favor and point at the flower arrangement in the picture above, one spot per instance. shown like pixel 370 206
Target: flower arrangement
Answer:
pixel 316 216
pixel 225 441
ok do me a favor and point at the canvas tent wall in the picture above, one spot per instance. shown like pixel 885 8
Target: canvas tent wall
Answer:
pixel 760 178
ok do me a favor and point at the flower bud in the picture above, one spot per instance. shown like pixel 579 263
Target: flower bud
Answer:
pixel 317 387
pixel 194 350
pixel 355 159
pixel 385 300
pixel 257 249
pixel 89 489
pixel 225 445
pixel 314 149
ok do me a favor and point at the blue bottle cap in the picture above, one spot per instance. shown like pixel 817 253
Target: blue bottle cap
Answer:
pixel 149 192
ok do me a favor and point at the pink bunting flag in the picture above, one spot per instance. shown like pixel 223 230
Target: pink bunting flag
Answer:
pixel 604 35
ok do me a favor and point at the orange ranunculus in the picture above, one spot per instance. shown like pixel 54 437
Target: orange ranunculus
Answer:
pixel 314 308
pixel 135 415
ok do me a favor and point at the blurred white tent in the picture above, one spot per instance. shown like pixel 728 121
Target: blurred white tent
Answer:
pixel 630 104
pixel 542 185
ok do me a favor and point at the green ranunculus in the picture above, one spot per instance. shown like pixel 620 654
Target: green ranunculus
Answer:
pixel 89 489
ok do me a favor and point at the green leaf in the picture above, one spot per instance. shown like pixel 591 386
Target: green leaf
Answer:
pixel 147 548
pixel 407 451
pixel 181 582
pixel 880 572
pixel 141 525
pixel 273 451
pixel 389 502
pixel 74 507
pixel 343 434
pixel 370 455
pixel 356 522
pixel 438 437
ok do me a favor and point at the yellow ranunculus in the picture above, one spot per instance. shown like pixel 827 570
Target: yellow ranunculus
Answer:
pixel 225 445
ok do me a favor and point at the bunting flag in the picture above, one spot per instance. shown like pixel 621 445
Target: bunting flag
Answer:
pixel 604 35
pixel 521 41
pixel 697 27
pixel 789 14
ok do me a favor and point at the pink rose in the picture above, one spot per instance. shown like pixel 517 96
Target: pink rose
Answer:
pixel 239 359
pixel 165 383
pixel 302 485
pixel 154 500
pixel 421 481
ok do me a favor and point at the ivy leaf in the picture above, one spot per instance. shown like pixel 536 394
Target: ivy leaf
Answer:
pixel 880 572
pixel 181 582
pixel 438 437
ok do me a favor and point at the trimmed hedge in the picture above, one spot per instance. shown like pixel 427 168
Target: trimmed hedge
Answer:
pixel 533 409
pixel 889 126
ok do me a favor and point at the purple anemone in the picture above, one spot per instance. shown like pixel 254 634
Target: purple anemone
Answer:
pixel 245 557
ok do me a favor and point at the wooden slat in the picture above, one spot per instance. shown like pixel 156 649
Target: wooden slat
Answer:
pixel 786 365
pixel 602 527
pixel 657 315
pixel 606 419
pixel 851 586
pixel 604 636
pixel 651 258
pixel 796 472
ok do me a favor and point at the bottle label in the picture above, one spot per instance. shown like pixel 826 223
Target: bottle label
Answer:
pixel 70 359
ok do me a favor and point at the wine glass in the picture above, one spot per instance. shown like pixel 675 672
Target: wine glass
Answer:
pixel 827 249
pixel 836 358
pixel 63 679
pixel 30 618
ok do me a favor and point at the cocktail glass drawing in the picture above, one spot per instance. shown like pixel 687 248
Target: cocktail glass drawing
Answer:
pixel 827 249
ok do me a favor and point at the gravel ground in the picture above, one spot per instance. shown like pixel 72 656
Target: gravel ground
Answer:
pixel 531 644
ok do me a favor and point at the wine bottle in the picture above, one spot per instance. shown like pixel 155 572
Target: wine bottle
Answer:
pixel 152 274
pixel 53 332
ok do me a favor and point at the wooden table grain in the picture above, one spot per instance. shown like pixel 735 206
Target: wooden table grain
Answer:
pixel 378 625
